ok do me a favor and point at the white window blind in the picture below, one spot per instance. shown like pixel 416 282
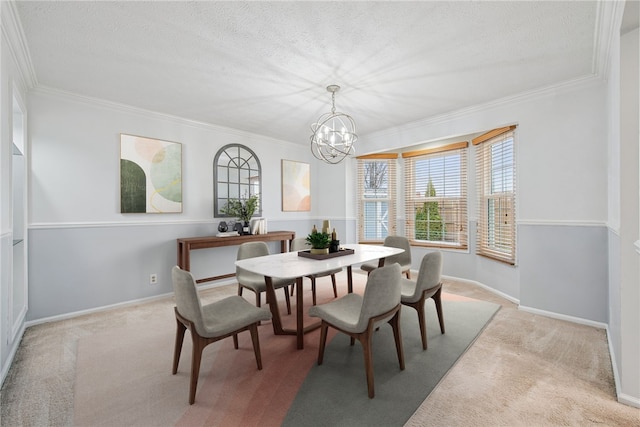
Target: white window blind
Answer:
pixel 436 196
pixel 376 197
pixel 496 181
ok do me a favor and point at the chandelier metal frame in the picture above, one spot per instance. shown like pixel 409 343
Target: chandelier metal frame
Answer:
pixel 334 133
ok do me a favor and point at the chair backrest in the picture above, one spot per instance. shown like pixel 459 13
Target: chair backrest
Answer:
pixel 187 299
pixel 250 250
pixel 430 272
pixel 401 242
pixel 381 293
pixel 299 244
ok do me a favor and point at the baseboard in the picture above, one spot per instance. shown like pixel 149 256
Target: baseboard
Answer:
pixel 71 315
pixel 565 317
pixel 482 285
pixel 12 354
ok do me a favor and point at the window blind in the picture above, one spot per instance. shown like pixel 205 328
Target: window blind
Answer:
pixel 436 196
pixel 376 197
pixel 496 189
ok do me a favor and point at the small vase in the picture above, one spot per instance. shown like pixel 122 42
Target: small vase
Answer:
pixel 246 229
pixel 322 251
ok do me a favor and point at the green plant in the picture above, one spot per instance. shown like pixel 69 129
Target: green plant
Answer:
pixel 241 209
pixel 319 240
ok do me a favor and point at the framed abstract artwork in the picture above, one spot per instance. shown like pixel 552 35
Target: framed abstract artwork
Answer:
pixel 150 175
pixel 296 186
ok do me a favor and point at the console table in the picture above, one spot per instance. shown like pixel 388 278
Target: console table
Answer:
pixel 187 244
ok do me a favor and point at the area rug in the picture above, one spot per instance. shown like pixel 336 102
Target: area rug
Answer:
pixel 123 375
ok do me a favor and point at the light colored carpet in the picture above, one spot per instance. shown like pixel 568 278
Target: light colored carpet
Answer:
pixel 524 369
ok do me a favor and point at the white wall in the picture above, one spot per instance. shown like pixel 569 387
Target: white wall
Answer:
pixel 86 254
pixel 561 156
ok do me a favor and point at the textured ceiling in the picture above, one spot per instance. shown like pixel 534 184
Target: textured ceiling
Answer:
pixel 263 67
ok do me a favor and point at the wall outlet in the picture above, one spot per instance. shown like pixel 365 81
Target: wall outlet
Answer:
pixel 153 279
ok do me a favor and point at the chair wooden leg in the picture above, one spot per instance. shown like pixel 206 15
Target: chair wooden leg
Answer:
pixel 335 289
pixel 365 340
pixel 408 273
pixel 196 357
pixel 178 347
pixel 419 306
pixel 256 344
pixel 287 299
pixel 235 341
pixel 323 341
pixel 437 298
pixel 240 290
pixel 397 335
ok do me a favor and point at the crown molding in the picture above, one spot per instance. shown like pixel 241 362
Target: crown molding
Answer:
pixel 14 34
pixel 551 90
pixel 128 109
pixel 608 21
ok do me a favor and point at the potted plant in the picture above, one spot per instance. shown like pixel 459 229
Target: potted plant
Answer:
pixel 243 209
pixel 319 242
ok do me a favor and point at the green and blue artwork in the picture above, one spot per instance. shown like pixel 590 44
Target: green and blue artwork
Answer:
pixel 150 175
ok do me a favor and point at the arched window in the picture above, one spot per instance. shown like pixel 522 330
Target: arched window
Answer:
pixel 236 175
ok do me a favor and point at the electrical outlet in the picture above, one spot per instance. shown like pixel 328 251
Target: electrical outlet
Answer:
pixel 153 279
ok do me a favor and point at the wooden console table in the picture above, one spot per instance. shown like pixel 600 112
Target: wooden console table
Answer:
pixel 187 244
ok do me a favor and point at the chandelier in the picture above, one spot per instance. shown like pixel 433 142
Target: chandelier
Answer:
pixel 333 133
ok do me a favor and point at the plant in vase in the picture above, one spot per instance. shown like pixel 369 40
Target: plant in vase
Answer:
pixel 243 209
pixel 319 242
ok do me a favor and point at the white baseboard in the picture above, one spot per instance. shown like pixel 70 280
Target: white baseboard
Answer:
pixel 71 315
pixel 12 353
pixel 483 286
pixel 571 319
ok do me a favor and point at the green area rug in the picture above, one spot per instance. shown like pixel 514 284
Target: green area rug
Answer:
pixel 335 393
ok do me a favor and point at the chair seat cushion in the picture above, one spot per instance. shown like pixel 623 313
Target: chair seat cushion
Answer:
pixel 258 285
pixel 342 313
pixel 408 291
pixel 326 273
pixel 370 266
pixel 230 314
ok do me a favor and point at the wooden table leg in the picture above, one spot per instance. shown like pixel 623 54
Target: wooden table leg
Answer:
pixel 349 280
pixel 299 314
pixel 273 306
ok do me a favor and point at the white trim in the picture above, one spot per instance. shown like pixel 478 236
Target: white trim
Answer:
pixel 566 223
pixel 12 353
pixel 128 109
pixel 551 90
pixel 622 398
pixel 12 30
pixel 71 315
pixel 565 317
pixel 482 285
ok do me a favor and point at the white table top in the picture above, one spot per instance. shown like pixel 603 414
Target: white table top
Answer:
pixel 290 265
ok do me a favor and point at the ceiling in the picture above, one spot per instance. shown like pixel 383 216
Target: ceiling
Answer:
pixel 263 67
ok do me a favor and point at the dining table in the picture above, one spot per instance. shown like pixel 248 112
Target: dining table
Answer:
pixel 292 265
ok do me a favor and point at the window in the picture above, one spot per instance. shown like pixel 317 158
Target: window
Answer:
pixel 436 196
pixel 376 197
pixel 237 175
pixel 496 180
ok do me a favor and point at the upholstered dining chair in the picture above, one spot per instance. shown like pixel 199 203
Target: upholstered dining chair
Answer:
pixel 404 258
pixel 427 285
pixel 300 244
pixel 359 316
pixel 255 282
pixel 210 323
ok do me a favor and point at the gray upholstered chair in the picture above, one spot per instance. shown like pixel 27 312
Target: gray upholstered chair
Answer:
pixel 255 282
pixel 300 244
pixel 359 316
pixel 428 285
pixel 210 323
pixel 404 258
